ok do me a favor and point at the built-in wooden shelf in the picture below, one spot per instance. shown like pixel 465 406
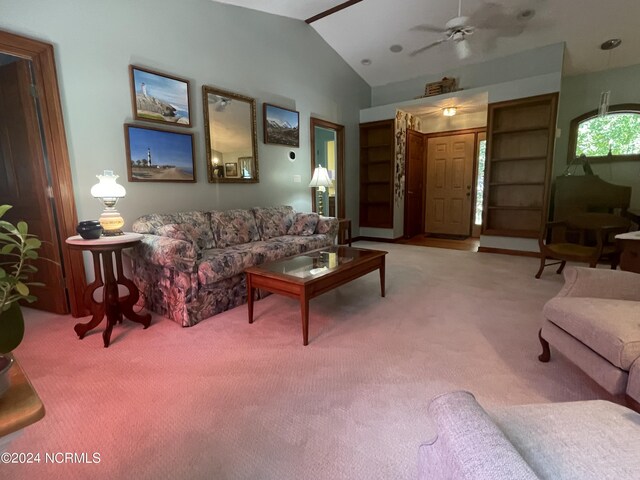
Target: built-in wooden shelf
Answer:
pixel 513 207
pixel 517 159
pixel 520 130
pixel 382 145
pixel 377 159
pixel 520 140
pixel 512 184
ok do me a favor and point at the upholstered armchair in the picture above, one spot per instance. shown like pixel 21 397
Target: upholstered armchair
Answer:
pixel 594 321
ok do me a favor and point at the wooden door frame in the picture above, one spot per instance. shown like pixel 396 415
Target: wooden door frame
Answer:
pixel 406 181
pixel 42 58
pixel 474 181
pixel 339 129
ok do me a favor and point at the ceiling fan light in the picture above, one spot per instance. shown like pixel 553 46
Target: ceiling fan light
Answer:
pixel 449 111
pixel 462 49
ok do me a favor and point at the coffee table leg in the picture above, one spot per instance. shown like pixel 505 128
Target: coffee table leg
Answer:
pixel 304 310
pixel 250 297
pixel 382 277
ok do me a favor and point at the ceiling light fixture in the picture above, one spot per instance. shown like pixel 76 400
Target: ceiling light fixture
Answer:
pixel 366 62
pixel 603 106
pixel 396 48
pixel 449 111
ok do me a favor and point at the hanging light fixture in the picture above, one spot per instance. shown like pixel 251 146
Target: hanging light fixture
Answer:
pixel 603 106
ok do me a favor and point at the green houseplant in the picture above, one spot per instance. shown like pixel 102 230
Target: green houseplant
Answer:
pixel 17 249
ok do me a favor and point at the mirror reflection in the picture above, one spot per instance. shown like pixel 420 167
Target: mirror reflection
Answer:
pixel 230 130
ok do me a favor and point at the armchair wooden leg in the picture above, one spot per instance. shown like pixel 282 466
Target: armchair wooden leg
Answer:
pixel 543 261
pixel 632 404
pixel 545 356
pixel 561 267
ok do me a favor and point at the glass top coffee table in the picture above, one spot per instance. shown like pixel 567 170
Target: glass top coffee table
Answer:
pixel 310 274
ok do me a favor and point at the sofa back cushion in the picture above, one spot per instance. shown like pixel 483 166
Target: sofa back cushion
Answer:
pixel 196 222
pixel 273 221
pixel 304 224
pixel 233 227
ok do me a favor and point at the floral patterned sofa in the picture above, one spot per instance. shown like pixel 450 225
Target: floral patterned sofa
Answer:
pixel 190 265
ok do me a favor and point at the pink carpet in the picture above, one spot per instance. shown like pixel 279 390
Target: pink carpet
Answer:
pixel 229 400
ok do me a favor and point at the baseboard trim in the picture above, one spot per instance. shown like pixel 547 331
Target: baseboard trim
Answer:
pixel 376 239
pixel 506 251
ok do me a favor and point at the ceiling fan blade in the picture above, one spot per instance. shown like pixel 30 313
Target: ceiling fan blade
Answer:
pixel 420 50
pixel 427 28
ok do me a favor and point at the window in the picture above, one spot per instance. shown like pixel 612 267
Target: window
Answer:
pixel 614 137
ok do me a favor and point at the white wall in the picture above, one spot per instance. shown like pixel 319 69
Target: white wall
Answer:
pixel 273 59
pixel 440 123
pixel 581 94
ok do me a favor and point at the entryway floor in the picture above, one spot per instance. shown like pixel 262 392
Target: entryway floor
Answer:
pixel 423 240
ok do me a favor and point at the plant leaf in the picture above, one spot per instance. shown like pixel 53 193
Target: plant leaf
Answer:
pixel 23 228
pixel 3 209
pixel 8 248
pixel 33 243
pixel 22 289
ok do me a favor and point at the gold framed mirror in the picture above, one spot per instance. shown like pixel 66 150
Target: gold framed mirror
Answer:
pixel 231 139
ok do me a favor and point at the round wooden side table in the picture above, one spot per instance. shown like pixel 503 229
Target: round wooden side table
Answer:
pixel 113 305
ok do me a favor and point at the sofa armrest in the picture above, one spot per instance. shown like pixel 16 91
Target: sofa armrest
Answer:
pixel 469 445
pixel 166 252
pixel 328 226
pixel 600 283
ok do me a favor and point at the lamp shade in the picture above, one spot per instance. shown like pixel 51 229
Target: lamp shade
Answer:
pixel 320 178
pixel 107 186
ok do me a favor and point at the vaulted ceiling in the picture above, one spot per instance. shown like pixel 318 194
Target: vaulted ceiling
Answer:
pixel 367 29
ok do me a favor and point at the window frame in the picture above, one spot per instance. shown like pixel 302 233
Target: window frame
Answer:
pixel 573 135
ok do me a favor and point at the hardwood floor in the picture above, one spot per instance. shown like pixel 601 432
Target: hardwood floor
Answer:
pixel 469 244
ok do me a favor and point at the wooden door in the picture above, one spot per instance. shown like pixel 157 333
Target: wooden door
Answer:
pixel 449 184
pixel 414 184
pixel 23 181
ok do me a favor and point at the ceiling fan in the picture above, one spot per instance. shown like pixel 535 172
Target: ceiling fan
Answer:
pixel 490 16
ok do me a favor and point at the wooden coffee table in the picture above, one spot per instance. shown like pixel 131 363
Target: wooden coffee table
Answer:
pixel 310 274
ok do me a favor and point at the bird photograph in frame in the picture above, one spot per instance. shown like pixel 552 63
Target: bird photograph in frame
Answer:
pixel 281 126
pixel 158 97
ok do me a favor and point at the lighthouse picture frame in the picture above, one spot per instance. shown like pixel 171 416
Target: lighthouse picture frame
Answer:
pixel 156 155
pixel 159 97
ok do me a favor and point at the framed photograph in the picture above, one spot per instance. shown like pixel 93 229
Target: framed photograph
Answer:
pixel 230 169
pixel 281 126
pixel 158 97
pixel 155 155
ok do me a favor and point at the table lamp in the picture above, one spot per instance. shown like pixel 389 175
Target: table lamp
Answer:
pixel 320 180
pixel 108 192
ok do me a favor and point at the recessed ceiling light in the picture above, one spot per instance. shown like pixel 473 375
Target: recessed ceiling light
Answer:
pixel 365 61
pixel 395 48
pixel 611 44
pixel 527 14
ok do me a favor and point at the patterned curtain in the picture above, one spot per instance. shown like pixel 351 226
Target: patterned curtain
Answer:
pixel 404 121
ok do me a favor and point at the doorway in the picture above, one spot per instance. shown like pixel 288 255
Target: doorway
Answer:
pixel 35 175
pixel 414 184
pixel 327 150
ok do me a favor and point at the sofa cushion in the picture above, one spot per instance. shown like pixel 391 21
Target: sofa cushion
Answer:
pixel 179 231
pixel 221 263
pixel 199 221
pixel 589 440
pixel 233 227
pixel 273 221
pixel 302 243
pixel 303 224
pixel 611 328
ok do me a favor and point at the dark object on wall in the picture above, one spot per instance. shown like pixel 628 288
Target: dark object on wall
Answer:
pixel 89 229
